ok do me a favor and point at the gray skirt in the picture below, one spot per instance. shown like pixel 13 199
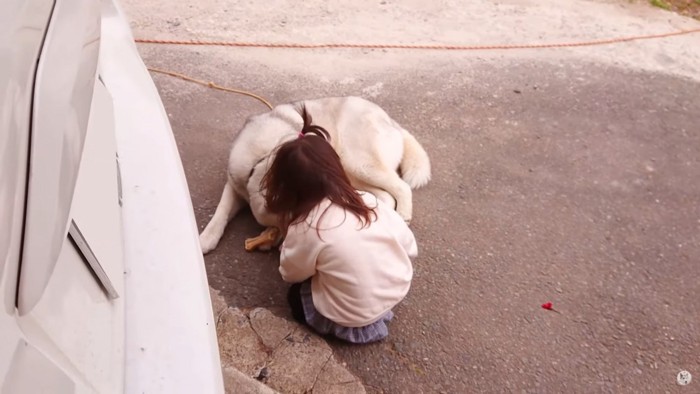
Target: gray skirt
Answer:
pixel 369 333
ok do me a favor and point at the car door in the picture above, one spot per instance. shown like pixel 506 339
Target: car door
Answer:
pixel 22 28
pixel 62 323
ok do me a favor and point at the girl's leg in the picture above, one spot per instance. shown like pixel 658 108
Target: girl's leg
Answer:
pixel 294 299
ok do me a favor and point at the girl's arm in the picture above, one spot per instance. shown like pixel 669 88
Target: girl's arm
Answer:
pixel 298 254
pixel 401 230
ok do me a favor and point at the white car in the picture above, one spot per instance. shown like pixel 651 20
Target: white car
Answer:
pixel 102 282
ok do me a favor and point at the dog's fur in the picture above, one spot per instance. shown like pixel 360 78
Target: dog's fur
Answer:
pixel 372 148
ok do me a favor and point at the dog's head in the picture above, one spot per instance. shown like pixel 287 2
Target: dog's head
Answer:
pixel 257 193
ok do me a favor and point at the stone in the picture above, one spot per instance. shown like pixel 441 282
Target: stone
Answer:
pixel 235 382
pixel 239 345
pixel 218 303
pixel 262 374
pixel 271 329
pixel 297 362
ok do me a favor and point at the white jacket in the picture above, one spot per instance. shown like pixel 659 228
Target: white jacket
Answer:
pixel 358 274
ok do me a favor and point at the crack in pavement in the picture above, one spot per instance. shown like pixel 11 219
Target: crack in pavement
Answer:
pixel 285 338
pixel 257 334
pixel 321 370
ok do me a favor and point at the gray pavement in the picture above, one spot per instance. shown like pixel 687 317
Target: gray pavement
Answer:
pixel 570 176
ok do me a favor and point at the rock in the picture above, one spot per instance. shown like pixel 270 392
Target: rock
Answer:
pixel 297 362
pixel 262 374
pixel 218 303
pixel 239 345
pixel 283 354
pixel 271 329
pixel 235 382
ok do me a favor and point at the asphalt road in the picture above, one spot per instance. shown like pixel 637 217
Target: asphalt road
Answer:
pixel 558 177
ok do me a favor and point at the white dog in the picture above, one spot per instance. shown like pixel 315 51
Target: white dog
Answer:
pixel 372 148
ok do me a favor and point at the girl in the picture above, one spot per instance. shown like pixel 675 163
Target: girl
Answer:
pixel 347 253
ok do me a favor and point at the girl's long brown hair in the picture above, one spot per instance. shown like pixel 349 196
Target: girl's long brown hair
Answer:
pixel 305 171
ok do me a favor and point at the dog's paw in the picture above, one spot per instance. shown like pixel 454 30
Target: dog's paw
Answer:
pixel 404 215
pixel 207 244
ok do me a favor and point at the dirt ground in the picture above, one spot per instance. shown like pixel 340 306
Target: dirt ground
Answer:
pixel 569 176
pixel 685 7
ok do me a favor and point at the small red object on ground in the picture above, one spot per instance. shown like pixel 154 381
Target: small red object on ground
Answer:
pixel 547 306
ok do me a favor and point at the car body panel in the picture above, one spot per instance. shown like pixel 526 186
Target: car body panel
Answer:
pixel 102 281
pixel 62 95
pixel 177 323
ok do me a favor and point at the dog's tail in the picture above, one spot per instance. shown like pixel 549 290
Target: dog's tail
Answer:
pixel 415 164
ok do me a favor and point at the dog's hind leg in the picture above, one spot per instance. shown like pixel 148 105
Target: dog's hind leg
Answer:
pixel 229 205
pixel 381 194
pixel 391 187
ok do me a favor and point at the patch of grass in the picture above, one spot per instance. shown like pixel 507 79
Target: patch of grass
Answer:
pixel 661 4
pixel 690 8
